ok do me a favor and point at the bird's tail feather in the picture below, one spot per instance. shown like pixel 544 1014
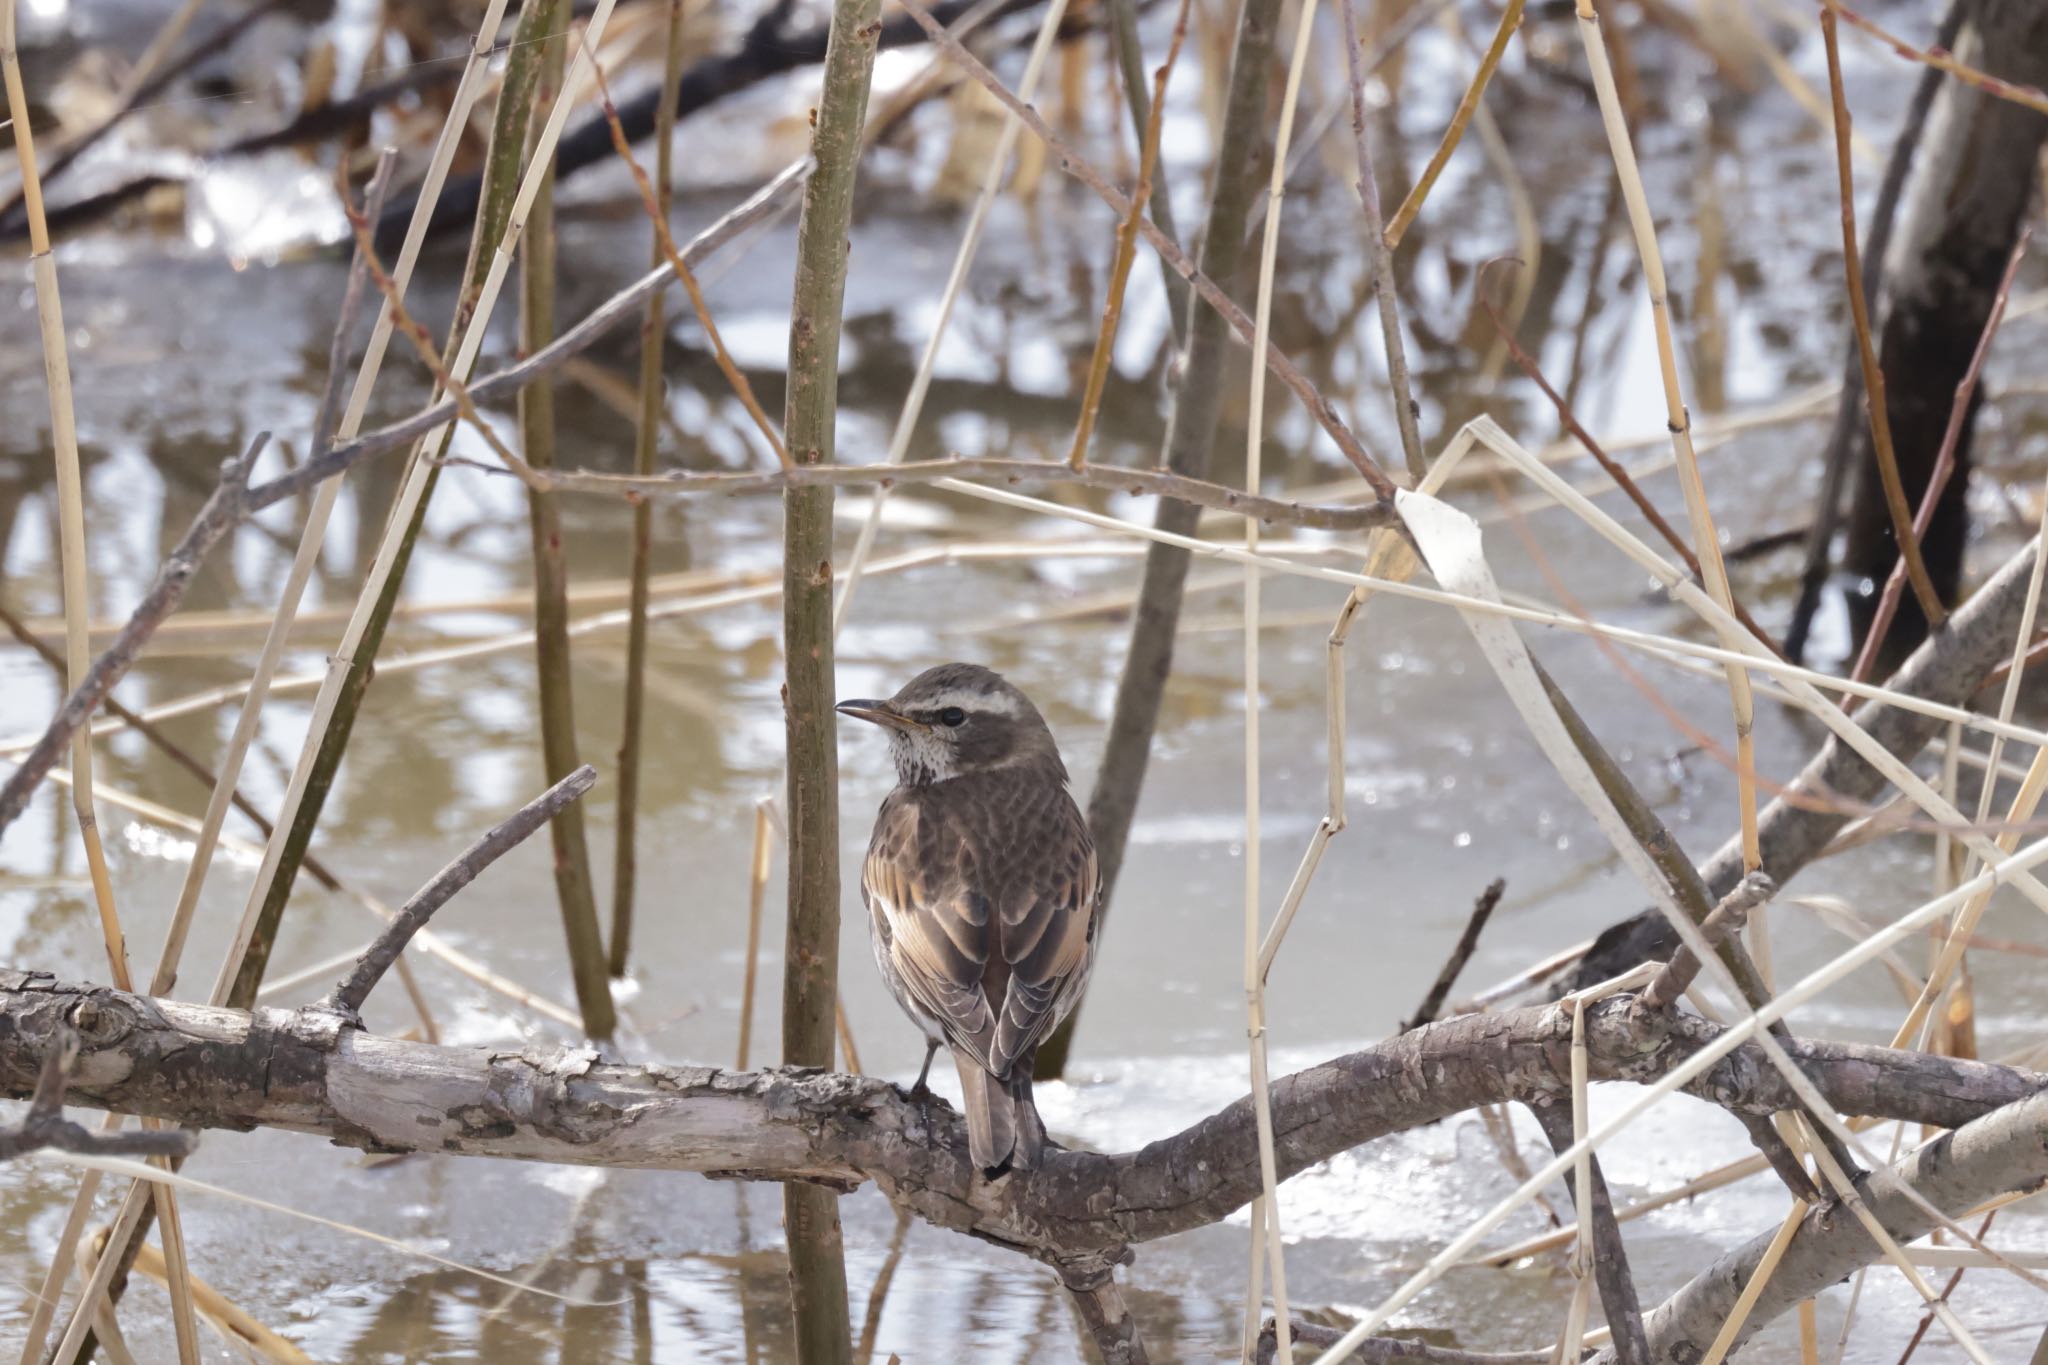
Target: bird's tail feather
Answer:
pixel 1003 1128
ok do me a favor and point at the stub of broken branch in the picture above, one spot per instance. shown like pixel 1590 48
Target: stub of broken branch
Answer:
pixel 44 1126
pixel 1756 888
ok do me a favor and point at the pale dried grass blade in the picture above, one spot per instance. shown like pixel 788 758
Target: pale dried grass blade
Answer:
pixel 1254 976
pixel 963 261
pixel 1706 541
pixel 1754 1288
pixel 143 1172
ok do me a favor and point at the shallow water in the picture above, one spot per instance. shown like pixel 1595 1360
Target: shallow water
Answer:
pixel 186 342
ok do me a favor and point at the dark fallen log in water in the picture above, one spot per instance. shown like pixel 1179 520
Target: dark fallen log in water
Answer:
pixel 767 50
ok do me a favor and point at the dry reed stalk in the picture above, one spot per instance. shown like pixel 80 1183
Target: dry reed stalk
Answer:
pixel 1581 1263
pixel 1705 538
pixel 963 260
pixel 78 648
pixel 653 407
pixel 1126 244
pixel 757 896
pixel 1254 972
pixel 1081 168
pixel 177 1272
pixel 817 1270
pixel 1944 461
pixel 842 1028
pixel 1942 60
pixel 70 489
pixel 1754 1287
pixel 500 224
pixel 1113 478
pixel 106 1327
pixel 1510 20
pixel 553 665
pixel 1873 375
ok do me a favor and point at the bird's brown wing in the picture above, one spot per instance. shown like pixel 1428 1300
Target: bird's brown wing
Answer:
pixel 1047 916
pixel 920 886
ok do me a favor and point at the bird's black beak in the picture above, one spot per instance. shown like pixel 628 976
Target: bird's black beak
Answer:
pixel 879 712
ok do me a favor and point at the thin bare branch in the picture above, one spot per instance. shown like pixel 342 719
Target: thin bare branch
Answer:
pixel 348 996
pixel 1931 604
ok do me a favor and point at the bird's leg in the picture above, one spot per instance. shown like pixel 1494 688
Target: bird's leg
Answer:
pixel 921 1090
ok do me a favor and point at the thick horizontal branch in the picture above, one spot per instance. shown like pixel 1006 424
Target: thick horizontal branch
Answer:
pixel 690 483
pixel 306 1072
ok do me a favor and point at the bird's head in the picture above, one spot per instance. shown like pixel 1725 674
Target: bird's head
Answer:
pixel 958 719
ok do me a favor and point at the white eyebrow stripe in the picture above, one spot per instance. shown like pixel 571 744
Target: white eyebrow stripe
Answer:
pixel 1000 703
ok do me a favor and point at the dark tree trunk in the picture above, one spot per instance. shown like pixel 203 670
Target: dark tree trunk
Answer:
pixel 1968 199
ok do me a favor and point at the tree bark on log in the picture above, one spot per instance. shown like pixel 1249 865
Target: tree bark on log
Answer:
pixel 1968 198
pixel 308 1071
pixel 1999 1154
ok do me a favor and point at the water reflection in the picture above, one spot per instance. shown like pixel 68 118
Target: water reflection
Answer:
pixel 671 1268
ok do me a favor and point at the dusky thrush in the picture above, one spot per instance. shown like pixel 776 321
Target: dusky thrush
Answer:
pixel 981 890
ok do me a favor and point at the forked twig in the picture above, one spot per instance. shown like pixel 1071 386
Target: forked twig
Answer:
pixel 658 216
pixel 44 1125
pixel 1126 246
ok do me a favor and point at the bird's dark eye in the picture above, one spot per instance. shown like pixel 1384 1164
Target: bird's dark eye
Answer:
pixel 952 715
